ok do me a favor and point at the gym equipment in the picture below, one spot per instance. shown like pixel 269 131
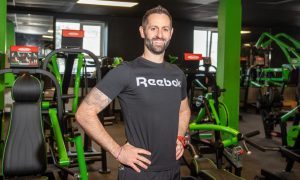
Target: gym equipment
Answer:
pixel 291 156
pixel 274 81
pixel 270 96
pixel 269 74
pixel 290 135
pixel 172 59
pixel 259 76
pixel 117 61
pixel 69 117
pixel 26 93
pixel 25 148
pixel 290 51
pixel 200 80
pixel 70 56
pixel 206 169
pixel 213 116
pixel 291 151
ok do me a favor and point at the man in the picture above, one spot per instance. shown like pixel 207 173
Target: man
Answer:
pixel 152 95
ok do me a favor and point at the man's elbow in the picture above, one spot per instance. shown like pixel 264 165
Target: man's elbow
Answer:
pixel 79 116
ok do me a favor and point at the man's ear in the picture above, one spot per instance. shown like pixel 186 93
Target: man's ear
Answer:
pixel 172 31
pixel 141 29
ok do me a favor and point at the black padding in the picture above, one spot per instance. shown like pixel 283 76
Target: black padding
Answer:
pixel 219 174
pixel 26 89
pixel 207 170
pixel 25 147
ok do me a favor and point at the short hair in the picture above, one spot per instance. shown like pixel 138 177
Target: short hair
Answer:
pixel 156 10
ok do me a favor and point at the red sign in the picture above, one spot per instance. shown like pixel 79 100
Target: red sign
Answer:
pixel 24 49
pixel 73 33
pixel 192 57
pixel 244 58
pixel 24 56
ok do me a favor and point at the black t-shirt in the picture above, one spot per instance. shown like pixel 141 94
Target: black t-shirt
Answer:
pixel 150 95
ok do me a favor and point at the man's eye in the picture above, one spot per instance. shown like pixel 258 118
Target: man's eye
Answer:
pixel 153 29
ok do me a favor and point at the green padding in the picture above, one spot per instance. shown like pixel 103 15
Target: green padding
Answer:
pixel 292 135
pixel 206 136
pixel 207 169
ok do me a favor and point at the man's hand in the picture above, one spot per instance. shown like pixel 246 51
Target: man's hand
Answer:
pixel 179 149
pixel 133 157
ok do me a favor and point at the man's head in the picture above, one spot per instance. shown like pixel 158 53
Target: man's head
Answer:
pixel 157 29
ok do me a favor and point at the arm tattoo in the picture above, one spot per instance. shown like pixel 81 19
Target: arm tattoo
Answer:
pixel 97 99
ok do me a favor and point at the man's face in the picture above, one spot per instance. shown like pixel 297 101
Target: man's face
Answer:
pixel 157 33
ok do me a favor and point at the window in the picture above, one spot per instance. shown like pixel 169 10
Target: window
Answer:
pixel 59 27
pixel 94 39
pixel 94 34
pixel 206 43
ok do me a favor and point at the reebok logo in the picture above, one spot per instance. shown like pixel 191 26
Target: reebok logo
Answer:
pixel 142 81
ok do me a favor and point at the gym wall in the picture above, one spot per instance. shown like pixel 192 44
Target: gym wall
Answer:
pixel 124 38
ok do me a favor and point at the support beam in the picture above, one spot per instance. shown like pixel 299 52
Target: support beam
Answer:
pixel 3 11
pixel 2 65
pixel 10 41
pixel 229 43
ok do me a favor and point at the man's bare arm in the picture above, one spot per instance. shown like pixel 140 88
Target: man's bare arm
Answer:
pixel 184 117
pixel 87 118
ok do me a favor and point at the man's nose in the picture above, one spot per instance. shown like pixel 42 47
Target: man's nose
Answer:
pixel 159 33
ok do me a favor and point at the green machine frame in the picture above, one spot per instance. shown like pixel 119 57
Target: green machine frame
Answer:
pixel 290 52
pixel 55 70
pixel 274 76
pixel 79 53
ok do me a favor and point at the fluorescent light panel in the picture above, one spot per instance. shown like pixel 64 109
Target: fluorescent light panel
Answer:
pixel 48 37
pixel 245 32
pixel 107 3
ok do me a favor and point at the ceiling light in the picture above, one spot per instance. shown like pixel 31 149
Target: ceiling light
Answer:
pixel 48 37
pixel 50 31
pixel 107 3
pixel 36 24
pixel 245 32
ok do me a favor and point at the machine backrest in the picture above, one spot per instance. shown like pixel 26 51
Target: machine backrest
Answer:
pixel 25 147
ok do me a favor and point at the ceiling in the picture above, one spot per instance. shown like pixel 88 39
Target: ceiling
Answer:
pixel 260 13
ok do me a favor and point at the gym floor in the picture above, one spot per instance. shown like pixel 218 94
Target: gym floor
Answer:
pixel 252 164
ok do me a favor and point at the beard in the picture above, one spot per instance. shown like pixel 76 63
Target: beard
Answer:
pixel 156 49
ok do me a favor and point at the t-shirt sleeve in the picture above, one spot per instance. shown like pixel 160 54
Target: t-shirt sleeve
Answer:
pixel 183 87
pixel 114 81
